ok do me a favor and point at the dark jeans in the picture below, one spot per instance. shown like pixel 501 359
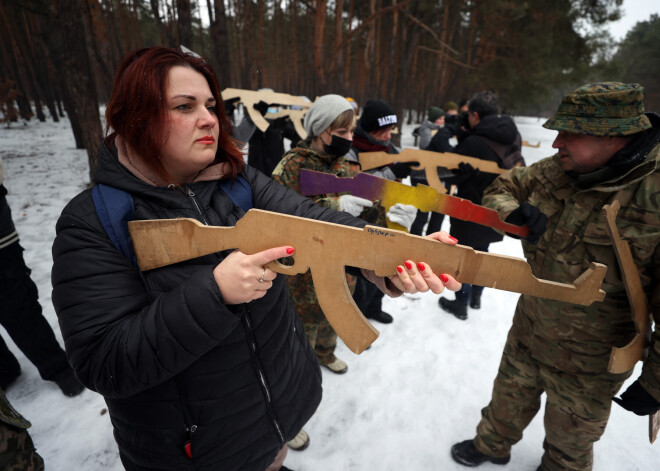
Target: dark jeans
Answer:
pixel 368 297
pixel 434 223
pixel 436 218
pixel 21 316
pixel 464 294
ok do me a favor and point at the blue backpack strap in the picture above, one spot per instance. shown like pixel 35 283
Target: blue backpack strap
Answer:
pixel 115 208
pixel 239 191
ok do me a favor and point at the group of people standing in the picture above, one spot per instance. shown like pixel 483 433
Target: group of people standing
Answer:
pixel 213 363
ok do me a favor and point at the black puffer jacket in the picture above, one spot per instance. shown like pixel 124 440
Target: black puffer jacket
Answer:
pixel 171 359
pixel 499 128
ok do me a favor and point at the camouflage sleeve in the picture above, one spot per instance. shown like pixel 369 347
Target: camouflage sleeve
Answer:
pixel 509 190
pixel 650 378
pixel 287 173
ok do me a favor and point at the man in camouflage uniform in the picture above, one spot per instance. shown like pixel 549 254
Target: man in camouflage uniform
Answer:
pixel 17 452
pixel 608 150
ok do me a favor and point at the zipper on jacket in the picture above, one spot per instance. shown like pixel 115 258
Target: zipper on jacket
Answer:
pixel 262 376
pixel 187 447
pixel 191 195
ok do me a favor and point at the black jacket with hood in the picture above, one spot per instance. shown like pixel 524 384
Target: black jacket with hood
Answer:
pixel 498 128
pixel 173 361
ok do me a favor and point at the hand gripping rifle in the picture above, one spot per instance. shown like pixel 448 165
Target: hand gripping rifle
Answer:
pixel 327 248
pixel 428 161
pixel 390 192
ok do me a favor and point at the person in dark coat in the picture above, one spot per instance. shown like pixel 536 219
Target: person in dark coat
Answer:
pixel 373 133
pixel 204 364
pixel 266 148
pixel 21 314
pixel 488 129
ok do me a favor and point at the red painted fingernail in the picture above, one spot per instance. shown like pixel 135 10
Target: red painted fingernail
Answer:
pixel 399 269
pixel 453 238
pixel 409 265
pixel 420 266
pixel 290 250
pixel 444 278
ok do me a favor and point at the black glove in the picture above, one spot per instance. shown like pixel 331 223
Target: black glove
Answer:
pixel 261 107
pixel 463 172
pixel 636 399
pixel 453 123
pixel 402 169
pixel 465 122
pixel 230 106
pixel 529 215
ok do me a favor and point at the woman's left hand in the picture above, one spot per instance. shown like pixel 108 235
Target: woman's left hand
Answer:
pixel 413 277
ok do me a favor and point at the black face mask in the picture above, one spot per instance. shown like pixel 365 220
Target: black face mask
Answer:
pixel 338 146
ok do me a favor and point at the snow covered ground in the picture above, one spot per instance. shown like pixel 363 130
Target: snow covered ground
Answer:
pixel 402 404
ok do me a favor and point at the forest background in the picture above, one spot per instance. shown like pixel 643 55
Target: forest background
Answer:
pixel 58 58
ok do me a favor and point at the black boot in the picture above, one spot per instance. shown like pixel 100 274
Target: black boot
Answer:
pixel 467 454
pixel 381 316
pixel 68 383
pixel 475 300
pixel 9 371
pixel 454 307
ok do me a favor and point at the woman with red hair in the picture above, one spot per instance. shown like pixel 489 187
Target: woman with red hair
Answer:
pixel 204 364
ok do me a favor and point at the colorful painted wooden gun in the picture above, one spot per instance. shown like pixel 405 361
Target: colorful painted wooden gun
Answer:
pixel 390 192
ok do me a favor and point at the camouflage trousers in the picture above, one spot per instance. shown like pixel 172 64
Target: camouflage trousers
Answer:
pixel 17 452
pixel 576 412
pixel 323 339
pixel 319 331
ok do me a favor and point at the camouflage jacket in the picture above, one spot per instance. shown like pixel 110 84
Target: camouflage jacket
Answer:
pixel 302 156
pixel 578 339
pixel 287 173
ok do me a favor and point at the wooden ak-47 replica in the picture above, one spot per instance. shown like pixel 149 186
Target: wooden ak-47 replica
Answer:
pixel 327 248
pixel 624 359
pixel 428 161
pixel 390 192
pixel 250 97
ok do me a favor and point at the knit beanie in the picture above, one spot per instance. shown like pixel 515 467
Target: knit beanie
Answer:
pixel 435 113
pixel 376 114
pixel 323 113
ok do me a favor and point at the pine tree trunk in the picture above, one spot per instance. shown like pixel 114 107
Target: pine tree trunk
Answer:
pixel 184 22
pixel 77 85
pixel 317 45
pixel 220 42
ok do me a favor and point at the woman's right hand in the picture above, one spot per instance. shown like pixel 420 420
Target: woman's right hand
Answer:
pixel 242 278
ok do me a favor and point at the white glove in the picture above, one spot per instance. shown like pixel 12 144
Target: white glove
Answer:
pixel 403 214
pixel 353 205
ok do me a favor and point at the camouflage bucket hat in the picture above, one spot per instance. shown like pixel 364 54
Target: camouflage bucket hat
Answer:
pixel 602 109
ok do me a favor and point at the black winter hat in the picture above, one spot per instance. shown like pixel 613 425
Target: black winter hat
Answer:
pixel 376 114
